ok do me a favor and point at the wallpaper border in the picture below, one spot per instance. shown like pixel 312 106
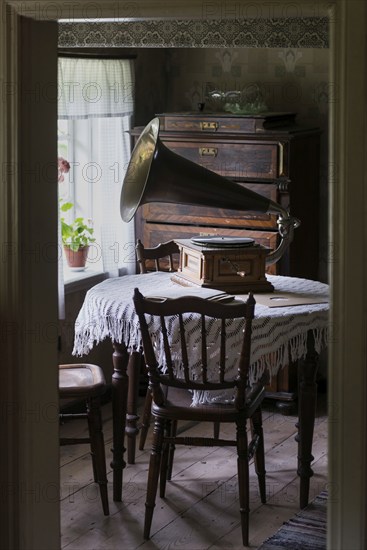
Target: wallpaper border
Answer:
pixel 311 32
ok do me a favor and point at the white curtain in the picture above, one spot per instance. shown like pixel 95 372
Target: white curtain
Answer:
pixel 117 237
pixel 101 91
pixel 95 87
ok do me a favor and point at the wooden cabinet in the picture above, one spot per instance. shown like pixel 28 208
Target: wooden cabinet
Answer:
pixel 269 154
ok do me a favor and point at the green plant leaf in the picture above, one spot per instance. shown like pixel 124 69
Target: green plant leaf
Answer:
pixel 66 206
pixel 77 234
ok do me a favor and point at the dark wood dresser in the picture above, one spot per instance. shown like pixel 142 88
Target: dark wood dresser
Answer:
pixel 269 154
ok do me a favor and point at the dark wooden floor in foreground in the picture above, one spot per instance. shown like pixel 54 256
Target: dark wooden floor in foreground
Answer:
pixel 201 506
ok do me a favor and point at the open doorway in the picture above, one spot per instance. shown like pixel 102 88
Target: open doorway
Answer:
pixel 347 263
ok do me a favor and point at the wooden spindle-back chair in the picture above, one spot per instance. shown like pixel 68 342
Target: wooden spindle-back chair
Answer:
pixel 163 257
pixel 173 381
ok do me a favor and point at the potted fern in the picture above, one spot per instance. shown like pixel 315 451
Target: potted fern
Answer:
pixel 76 239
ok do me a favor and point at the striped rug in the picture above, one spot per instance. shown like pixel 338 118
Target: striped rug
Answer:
pixel 305 531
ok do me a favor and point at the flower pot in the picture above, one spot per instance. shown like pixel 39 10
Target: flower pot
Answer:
pixel 76 259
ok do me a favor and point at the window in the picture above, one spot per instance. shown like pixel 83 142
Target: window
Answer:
pixel 95 115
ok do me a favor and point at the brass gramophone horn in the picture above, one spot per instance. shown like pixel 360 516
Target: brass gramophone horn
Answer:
pixel 157 174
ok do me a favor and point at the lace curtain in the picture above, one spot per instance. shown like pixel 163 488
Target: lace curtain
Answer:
pixel 95 87
pixel 102 92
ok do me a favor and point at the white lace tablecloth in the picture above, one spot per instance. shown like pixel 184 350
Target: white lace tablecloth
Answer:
pixel 279 333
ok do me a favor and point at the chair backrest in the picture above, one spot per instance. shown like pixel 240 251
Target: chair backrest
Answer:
pixel 196 343
pixel 161 257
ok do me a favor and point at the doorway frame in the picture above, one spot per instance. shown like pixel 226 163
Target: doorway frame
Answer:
pixel 347 258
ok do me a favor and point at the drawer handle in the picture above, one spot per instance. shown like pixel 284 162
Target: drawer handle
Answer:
pixel 209 125
pixel 208 151
pixel 281 159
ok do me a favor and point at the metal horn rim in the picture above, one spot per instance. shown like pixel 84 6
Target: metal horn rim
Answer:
pixel 137 173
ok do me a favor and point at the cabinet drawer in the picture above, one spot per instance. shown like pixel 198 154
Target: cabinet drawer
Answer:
pixel 204 215
pixel 155 233
pixel 245 160
pixel 225 123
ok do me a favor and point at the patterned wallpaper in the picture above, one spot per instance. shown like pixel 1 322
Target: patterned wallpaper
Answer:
pixel 289 79
pixel 297 32
pixel 286 79
pixel 288 59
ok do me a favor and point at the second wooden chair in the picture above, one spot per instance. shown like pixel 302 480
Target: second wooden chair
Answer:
pixel 163 257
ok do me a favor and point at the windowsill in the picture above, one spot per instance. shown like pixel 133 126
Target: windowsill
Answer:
pixel 81 280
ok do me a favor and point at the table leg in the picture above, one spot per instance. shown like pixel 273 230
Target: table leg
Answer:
pixel 120 382
pixel 132 405
pixel 306 417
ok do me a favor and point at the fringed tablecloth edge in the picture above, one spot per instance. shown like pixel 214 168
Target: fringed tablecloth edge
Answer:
pixel 295 349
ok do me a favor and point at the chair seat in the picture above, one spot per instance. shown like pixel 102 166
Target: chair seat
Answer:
pixel 179 405
pixel 85 381
pixel 81 380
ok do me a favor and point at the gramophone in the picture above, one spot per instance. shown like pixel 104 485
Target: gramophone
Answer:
pixel 157 174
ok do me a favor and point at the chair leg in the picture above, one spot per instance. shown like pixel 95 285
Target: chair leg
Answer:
pixel 91 439
pixel 216 429
pixel 153 475
pixel 171 450
pixel 165 460
pixel 146 419
pixel 133 370
pixel 97 448
pixel 243 480
pixel 259 457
